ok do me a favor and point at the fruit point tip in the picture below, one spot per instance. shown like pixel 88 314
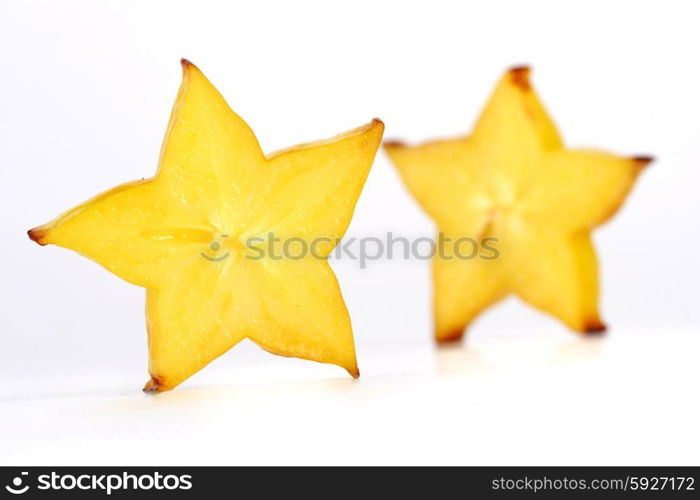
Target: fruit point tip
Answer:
pixel 37 236
pixel 520 76
pixel 643 160
pixel 391 144
pixel 595 329
pixel 450 338
pixel 152 386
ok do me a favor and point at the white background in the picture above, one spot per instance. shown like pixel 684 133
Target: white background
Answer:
pixel 86 91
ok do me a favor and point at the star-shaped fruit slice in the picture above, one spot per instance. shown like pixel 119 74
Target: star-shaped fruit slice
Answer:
pixel 205 237
pixel 513 181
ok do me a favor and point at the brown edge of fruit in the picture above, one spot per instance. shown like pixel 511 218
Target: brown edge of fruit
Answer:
pixel 393 144
pixel 153 386
pixel 451 337
pixel 642 161
pixel 362 129
pixel 353 371
pixel 37 235
pixel 520 76
pixel 594 329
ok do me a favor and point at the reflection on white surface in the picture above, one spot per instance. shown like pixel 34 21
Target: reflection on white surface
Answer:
pixel 521 397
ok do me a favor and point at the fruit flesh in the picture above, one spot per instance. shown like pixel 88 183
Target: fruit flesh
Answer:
pixel 184 235
pixel 513 180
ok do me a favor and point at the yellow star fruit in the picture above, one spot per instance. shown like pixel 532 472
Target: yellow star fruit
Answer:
pixel 185 236
pixel 513 180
